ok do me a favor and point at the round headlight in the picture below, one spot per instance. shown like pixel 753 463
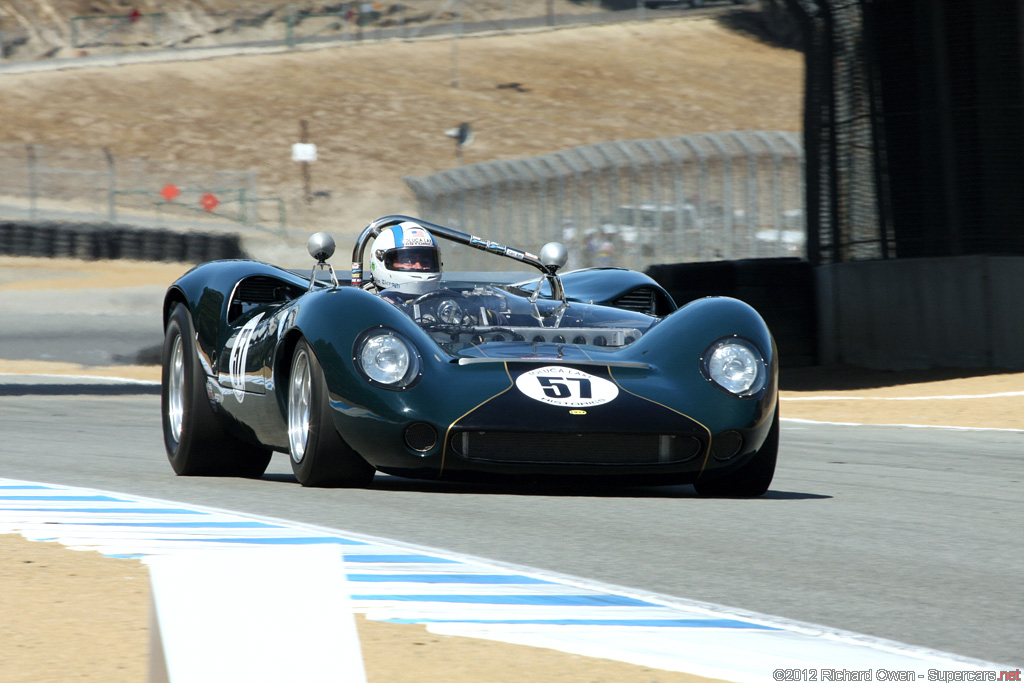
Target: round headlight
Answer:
pixel 386 358
pixel 735 365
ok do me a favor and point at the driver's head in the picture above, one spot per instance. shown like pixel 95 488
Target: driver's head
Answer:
pixel 405 257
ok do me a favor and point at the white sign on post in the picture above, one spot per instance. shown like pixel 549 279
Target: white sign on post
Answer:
pixel 304 151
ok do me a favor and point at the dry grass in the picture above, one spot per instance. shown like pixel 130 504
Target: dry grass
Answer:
pixel 379 111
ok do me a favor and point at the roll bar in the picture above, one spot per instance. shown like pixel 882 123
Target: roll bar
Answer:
pixel 373 229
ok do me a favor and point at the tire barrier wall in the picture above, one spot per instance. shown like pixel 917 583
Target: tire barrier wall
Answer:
pixel 96 241
pixel 782 290
pixel 906 314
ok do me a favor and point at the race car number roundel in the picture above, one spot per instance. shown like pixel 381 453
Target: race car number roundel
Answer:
pixel 568 387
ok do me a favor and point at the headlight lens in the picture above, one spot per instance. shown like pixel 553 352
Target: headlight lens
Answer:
pixel 386 358
pixel 736 365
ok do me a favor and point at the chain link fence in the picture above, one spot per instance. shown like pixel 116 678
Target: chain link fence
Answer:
pixel 705 197
pixel 39 182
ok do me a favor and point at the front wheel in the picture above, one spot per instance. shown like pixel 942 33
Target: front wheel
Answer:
pixel 318 455
pixel 195 441
pixel 751 480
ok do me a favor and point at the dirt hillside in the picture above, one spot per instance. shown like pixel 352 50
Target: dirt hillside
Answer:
pixel 379 111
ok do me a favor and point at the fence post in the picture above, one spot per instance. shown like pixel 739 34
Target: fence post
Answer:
pixel 702 191
pixel 577 177
pixel 678 196
pixel 751 211
pixel 31 181
pixel 508 183
pixel 727 217
pixel 111 186
pixel 777 225
pixel 559 191
pixel 282 219
pixel 593 168
pixel 613 180
pixel 648 149
pixel 634 178
pixel 542 193
pixel 802 161
pixel 242 214
pixel 495 209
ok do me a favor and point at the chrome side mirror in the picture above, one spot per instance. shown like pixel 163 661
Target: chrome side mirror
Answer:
pixel 321 247
pixel 554 256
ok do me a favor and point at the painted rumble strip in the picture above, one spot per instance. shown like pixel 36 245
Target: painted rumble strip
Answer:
pixel 465 596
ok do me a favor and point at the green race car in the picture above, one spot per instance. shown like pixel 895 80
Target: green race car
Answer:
pixel 472 376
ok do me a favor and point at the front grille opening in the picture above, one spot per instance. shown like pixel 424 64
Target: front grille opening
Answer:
pixel 726 445
pixel 576 449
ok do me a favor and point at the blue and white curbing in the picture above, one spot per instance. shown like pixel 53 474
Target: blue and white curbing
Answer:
pixel 471 597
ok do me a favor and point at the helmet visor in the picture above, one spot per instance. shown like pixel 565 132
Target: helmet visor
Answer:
pixel 412 259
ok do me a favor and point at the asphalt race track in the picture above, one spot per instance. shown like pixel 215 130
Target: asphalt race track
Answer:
pixel 915 535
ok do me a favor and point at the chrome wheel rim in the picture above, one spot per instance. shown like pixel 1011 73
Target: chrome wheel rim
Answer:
pixel 298 406
pixel 176 389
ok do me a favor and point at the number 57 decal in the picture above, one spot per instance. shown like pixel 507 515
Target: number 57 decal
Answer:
pixel 562 386
pixel 559 387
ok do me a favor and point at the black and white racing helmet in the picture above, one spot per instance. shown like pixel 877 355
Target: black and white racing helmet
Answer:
pixel 405 258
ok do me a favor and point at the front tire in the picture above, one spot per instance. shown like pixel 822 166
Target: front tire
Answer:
pixel 196 443
pixel 751 480
pixel 318 454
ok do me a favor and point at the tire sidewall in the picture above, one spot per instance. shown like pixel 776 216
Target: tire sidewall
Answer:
pixel 203 446
pixel 327 460
pixel 179 325
pixel 305 468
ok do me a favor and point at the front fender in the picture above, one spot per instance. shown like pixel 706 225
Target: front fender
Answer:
pixel 206 291
pixel 673 350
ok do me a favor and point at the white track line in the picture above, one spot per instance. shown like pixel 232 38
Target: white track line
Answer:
pixel 956 397
pixel 798 420
pixel 103 378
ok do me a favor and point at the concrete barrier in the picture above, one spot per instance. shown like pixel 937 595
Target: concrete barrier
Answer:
pixel 780 289
pixel 253 615
pixel 922 313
